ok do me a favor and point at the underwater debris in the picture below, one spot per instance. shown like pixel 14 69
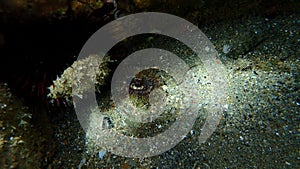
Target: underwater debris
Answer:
pixel 20 138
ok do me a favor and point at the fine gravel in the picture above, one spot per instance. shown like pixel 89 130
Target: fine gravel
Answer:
pixel 259 127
